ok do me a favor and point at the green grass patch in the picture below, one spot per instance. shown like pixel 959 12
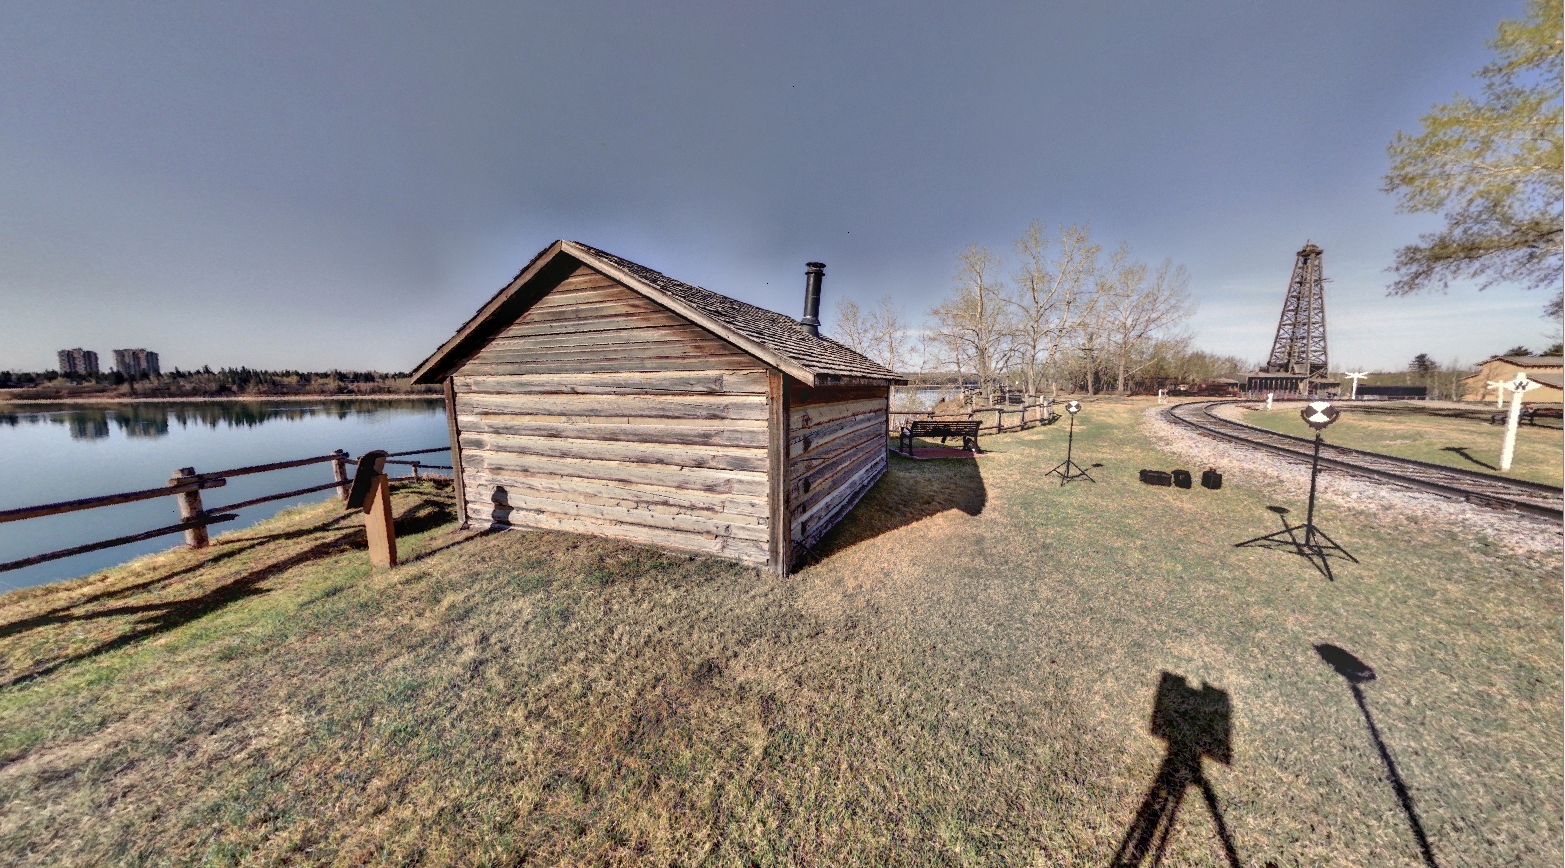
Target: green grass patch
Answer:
pixel 1457 438
pixel 965 674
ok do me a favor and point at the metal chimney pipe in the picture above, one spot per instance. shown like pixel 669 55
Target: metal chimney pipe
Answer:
pixel 813 273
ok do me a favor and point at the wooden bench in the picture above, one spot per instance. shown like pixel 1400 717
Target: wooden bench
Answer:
pixel 1530 415
pixel 929 428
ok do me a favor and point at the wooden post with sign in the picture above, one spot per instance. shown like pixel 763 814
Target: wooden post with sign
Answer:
pixel 190 508
pixel 372 493
pixel 378 524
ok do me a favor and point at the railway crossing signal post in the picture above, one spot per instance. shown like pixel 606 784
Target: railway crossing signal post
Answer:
pixel 1306 539
pixel 1519 387
pixel 1499 387
pixel 1355 377
pixel 1069 470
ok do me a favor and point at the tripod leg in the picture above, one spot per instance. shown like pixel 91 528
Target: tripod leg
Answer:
pixel 1275 536
pixel 1332 544
pixel 1217 817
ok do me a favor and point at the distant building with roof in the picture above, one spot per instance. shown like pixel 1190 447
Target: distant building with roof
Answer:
pixel 78 362
pixel 137 363
pixel 1544 370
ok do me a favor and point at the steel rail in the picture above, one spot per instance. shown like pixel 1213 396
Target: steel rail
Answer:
pixel 1307 442
pixel 1532 497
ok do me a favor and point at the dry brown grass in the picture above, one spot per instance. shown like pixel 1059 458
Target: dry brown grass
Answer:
pixel 964 677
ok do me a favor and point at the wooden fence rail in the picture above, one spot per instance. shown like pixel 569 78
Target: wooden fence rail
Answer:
pixel 992 420
pixel 186 486
pixel 105 500
pixel 111 543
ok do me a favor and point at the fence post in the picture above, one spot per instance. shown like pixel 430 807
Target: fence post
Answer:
pixel 416 477
pixel 378 527
pixel 190 508
pixel 339 471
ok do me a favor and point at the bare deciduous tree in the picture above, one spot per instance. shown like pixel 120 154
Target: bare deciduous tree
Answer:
pixel 882 333
pixel 849 326
pixel 887 332
pixel 1051 292
pixel 1134 305
pixel 971 324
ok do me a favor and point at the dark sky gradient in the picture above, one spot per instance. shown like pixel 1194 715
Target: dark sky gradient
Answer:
pixel 285 186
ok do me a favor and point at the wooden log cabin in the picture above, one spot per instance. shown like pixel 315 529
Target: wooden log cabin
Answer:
pixel 595 395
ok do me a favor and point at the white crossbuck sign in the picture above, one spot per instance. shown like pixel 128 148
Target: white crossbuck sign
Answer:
pixel 1499 387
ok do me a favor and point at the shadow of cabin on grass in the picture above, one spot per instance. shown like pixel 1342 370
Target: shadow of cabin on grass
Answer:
pixel 909 492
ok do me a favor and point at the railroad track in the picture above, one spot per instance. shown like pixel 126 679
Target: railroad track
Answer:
pixel 1535 498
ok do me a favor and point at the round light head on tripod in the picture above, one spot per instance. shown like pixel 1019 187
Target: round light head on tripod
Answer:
pixel 1319 414
pixel 1073 407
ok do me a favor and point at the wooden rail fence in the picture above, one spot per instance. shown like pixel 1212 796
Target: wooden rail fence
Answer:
pixel 992 420
pixel 186 486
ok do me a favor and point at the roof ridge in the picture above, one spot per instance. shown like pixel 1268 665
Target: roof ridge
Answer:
pixel 638 266
pixel 775 331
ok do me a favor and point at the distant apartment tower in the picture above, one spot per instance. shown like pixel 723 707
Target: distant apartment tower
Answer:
pixel 78 362
pixel 136 363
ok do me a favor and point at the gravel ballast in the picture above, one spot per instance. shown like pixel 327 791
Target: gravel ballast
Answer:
pixel 1383 503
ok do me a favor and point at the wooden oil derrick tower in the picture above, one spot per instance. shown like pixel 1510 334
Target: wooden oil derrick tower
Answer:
pixel 1300 346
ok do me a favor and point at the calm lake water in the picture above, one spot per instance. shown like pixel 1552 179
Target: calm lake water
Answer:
pixel 54 452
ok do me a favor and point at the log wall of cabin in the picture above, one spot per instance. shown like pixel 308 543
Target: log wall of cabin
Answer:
pixel 837 450
pixel 598 411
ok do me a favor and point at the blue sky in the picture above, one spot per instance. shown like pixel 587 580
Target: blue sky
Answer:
pixel 309 187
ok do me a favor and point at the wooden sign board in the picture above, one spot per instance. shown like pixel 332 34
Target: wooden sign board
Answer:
pixel 371 465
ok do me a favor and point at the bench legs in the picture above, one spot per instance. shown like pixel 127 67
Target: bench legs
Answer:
pixel 905 440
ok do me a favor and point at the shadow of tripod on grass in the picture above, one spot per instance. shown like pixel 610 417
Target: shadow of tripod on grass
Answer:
pixel 1306 540
pixel 1357 672
pixel 1196 724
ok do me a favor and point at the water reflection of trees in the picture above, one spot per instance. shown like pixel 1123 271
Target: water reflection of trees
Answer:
pixel 153 419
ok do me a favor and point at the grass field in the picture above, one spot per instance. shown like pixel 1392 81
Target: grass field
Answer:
pixel 1458 438
pixel 980 667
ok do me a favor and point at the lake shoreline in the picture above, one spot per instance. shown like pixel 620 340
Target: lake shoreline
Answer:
pixel 125 399
pixel 61 451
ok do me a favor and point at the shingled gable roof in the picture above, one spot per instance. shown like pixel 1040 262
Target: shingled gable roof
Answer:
pixel 771 337
pixel 1527 361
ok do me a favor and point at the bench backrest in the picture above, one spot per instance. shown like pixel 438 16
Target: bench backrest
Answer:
pixel 955 427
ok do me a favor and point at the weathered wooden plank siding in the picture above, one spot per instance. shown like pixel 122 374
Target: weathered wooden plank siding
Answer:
pixel 591 324
pixel 599 412
pixel 837 450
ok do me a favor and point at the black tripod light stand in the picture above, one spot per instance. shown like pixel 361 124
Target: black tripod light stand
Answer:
pixel 1306 539
pixel 1069 470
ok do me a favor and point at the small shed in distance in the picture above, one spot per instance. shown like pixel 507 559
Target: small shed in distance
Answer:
pixel 595 395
